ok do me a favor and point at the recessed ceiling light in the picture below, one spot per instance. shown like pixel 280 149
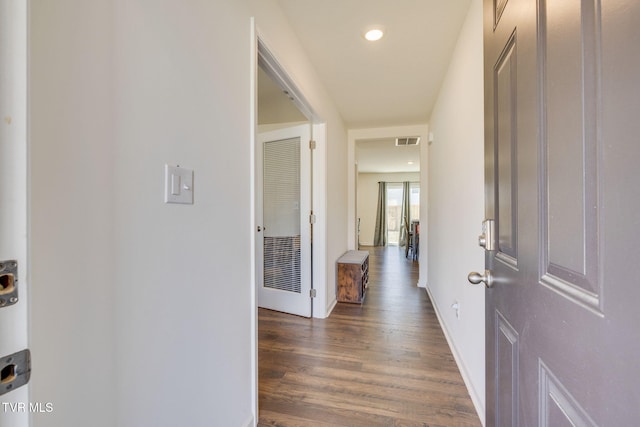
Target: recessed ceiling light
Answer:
pixel 409 162
pixel 374 34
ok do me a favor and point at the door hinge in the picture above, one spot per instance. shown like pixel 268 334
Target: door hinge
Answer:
pixel 312 145
pixel 312 219
pixel 312 293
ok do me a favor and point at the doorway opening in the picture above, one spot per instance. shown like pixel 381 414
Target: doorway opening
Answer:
pixel 283 112
pixel 387 193
pixel 283 197
pixel 289 255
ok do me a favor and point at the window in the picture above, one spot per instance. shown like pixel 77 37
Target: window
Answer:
pixel 414 200
pixel 394 209
pixel 394 213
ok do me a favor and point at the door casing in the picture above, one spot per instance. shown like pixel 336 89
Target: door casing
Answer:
pixel 14 190
pixel 325 299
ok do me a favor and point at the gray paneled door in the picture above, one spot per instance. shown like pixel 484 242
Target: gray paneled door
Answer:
pixel 562 155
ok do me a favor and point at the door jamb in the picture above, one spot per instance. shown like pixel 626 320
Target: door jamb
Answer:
pixel 15 169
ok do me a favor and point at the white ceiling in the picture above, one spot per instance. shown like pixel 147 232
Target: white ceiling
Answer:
pixel 392 82
pixel 382 156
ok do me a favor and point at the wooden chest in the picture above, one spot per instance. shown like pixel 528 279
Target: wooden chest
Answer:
pixel 353 276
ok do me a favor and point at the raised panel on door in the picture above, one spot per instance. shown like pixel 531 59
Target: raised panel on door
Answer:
pixel 506 125
pixel 507 372
pixel 570 58
pixel 557 407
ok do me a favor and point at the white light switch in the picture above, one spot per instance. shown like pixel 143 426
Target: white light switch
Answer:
pixel 175 184
pixel 178 185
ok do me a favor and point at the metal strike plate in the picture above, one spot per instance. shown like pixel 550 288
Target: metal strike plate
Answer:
pixel 15 371
pixel 8 283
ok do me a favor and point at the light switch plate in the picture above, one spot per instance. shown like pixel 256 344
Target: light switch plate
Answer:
pixel 178 185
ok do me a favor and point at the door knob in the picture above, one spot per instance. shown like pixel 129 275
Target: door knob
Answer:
pixel 486 278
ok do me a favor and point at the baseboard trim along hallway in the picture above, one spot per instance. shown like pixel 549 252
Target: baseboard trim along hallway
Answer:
pixel 475 396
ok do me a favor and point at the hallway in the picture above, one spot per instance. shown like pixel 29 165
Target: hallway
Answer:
pixel 385 363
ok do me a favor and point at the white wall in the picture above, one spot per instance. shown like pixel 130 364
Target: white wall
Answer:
pixel 456 204
pixel 71 205
pixel 275 126
pixel 184 283
pixel 277 34
pixel 368 200
pixel 141 311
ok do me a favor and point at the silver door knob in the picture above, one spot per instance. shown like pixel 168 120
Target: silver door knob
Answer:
pixel 476 278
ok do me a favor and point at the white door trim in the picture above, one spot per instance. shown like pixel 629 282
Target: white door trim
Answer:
pixel 14 191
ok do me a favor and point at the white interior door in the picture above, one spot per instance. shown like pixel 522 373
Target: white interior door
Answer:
pixel 14 398
pixel 283 258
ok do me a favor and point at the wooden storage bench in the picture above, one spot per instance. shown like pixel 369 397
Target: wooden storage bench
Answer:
pixel 353 276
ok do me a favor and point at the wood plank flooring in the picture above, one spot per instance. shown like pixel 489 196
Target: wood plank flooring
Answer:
pixel 385 363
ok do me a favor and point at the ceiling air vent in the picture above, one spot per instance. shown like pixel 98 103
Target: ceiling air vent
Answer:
pixel 405 141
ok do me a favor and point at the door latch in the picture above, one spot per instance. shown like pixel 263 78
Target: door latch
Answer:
pixel 487 239
pixel 8 283
pixel 15 371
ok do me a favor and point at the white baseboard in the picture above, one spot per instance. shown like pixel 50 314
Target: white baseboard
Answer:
pixel 475 398
pixel 331 307
pixel 250 422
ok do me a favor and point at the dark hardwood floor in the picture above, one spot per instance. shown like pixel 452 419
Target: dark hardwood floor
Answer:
pixel 385 363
